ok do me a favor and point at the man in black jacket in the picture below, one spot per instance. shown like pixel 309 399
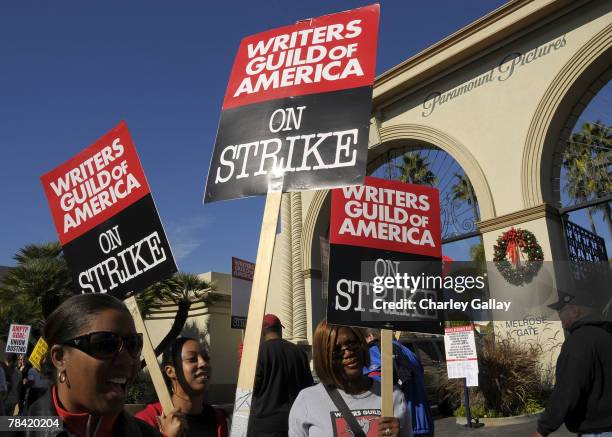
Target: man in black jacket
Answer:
pixel 582 397
pixel 282 371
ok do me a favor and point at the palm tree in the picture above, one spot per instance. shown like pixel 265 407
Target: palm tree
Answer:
pixel 464 191
pixel 40 281
pixel 588 163
pixel 35 287
pixel 415 170
pixel 183 289
pixel 477 254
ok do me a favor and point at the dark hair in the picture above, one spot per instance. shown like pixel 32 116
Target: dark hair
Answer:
pixel 278 329
pixel 11 358
pixel 73 316
pixel 70 318
pixel 322 349
pixel 172 357
pixel 374 332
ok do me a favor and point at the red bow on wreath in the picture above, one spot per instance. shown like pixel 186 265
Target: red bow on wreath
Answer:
pixel 513 249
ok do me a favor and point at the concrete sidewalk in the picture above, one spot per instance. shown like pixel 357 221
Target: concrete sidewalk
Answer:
pixel 447 427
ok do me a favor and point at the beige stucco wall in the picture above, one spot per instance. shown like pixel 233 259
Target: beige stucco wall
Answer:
pixel 492 120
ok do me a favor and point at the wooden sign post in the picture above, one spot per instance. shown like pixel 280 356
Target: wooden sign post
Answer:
pixel 149 355
pixel 386 376
pixel 257 307
pixel 288 136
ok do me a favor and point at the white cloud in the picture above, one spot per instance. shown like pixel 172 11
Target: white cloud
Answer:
pixel 187 234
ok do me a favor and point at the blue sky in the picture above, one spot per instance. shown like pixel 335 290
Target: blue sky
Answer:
pixel 71 70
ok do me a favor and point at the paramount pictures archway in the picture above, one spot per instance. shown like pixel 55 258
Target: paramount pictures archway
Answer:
pixel 507 89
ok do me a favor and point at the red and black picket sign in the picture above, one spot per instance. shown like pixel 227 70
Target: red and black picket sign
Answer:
pixel 296 112
pixel 383 229
pixel 387 215
pixel 106 219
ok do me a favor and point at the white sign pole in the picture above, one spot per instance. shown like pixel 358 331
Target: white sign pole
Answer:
pixel 257 307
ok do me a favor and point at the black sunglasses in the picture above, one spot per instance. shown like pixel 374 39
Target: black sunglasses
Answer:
pixel 338 351
pixel 106 345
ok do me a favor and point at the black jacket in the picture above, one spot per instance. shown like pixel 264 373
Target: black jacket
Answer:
pixel 126 425
pixel 282 371
pixel 582 397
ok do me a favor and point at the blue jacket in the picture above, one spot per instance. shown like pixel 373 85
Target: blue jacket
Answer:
pixel 416 396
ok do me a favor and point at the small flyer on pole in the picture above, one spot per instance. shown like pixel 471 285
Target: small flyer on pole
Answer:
pixel 461 357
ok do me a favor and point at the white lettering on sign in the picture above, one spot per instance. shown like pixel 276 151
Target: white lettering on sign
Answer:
pixel 235 157
pixel 381 213
pixel 95 185
pixel 299 58
pixel 129 263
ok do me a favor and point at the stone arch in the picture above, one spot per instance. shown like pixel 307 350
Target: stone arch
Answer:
pixel 389 138
pixel 391 135
pixel 551 114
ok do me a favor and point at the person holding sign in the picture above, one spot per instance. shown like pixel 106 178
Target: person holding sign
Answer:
pixel 408 375
pixel 347 402
pixel 186 365
pixel 94 352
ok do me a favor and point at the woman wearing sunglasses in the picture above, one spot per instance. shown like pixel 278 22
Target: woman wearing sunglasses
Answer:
pixel 347 402
pixel 94 351
pixel 186 367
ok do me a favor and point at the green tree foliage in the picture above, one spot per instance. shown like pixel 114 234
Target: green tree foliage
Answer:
pixel 464 191
pixel 183 290
pixel 41 281
pixel 477 254
pixel 35 287
pixel 415 170
pixel 588 163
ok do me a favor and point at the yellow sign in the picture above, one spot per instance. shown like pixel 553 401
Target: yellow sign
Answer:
pixel 38 353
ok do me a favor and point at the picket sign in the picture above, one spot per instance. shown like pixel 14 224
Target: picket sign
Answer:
pixel 38 353
pixel 257 307
pixel 386 376
pixel 149 355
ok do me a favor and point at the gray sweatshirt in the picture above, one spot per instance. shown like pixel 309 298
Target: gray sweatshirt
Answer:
pixel 314 414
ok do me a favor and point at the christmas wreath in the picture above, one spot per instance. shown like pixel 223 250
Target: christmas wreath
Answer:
pixel 508 251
